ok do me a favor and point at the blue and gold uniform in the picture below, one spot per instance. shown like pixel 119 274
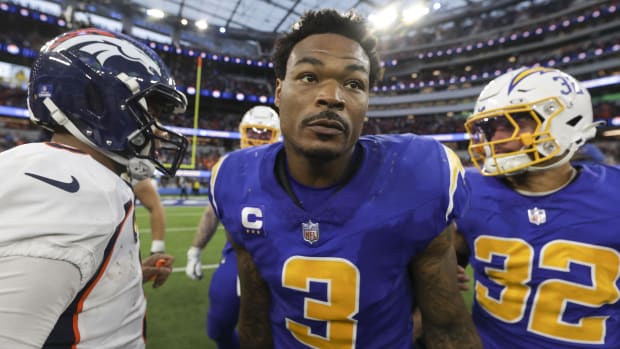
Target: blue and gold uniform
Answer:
pixel 546 267
pixel 337 270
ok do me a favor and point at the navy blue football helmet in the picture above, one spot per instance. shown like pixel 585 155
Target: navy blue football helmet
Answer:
pixel 108 90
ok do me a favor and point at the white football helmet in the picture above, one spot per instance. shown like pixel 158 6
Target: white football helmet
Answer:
pixel 259 125
pixel 561 111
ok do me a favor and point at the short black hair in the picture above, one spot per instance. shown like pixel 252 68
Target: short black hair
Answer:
pixel 328 21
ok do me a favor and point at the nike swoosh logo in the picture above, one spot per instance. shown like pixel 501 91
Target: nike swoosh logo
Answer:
pixel 70 187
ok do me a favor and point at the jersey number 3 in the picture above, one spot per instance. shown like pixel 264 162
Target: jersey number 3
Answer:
pixel 342 280
pixel 552 295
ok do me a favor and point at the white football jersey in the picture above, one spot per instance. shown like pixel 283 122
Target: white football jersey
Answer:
pixel 58 203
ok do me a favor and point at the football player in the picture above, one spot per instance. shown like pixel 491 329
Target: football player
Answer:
pixel 70 270
pixel 541 234
pixel 335 235
pixel 260 125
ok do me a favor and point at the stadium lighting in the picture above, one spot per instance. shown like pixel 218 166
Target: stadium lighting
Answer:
pixel 184 21
pixel 384 19
pixel 414 13
pixel 155 13
pixel 202 24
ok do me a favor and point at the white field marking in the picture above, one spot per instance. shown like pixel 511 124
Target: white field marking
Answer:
pixel 208 266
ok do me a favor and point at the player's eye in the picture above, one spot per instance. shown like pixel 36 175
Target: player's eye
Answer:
pixel 308 77
pixel 355 84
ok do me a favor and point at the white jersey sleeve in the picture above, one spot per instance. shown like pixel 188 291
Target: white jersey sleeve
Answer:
pixel 28 285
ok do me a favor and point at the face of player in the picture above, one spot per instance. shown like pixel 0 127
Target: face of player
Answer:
pixel 496 129
pixel 323 98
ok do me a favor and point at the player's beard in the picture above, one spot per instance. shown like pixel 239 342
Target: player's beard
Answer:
pixel 320 155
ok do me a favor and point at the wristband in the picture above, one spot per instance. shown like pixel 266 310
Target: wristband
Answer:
pixel 158 246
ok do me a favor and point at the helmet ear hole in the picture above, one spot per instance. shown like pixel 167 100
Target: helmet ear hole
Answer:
pixel 574 121
pixel 94 102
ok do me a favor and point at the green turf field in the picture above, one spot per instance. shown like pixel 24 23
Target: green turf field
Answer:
pixel 176 311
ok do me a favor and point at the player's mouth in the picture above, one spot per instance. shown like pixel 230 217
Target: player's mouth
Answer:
pixel 326 123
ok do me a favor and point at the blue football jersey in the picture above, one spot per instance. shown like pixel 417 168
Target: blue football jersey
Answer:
pixel 337 272
pixel 546 267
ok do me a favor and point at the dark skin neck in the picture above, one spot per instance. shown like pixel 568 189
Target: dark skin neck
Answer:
pixel 316 172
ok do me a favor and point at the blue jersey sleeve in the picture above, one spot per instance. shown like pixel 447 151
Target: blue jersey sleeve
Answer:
pixel 437 190
pixel 221 188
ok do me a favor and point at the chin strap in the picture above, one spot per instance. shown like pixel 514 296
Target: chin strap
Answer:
pixel 566 158
pixel 503 165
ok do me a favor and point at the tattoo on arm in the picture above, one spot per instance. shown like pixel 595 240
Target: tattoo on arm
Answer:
pixel 254 323
pixel 461 248
pixel 447 323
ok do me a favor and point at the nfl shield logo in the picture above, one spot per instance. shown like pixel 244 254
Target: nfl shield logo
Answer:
pixel 537 216
pixel 310 232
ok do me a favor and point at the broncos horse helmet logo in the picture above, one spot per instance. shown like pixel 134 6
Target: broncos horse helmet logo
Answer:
pixel 104 47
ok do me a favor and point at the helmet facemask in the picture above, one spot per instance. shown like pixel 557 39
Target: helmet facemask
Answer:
pixel 259 125
pixel 152 141
pixel 520 124
pixel 253 135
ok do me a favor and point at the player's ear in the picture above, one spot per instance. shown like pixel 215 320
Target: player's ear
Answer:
pixel 278 91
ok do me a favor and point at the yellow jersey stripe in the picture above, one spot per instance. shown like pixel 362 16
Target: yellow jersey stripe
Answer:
pixel 214 172
pixel 456 169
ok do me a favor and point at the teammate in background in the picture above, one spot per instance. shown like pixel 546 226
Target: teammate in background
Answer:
pixel 195 187
pixel 259 125
pixel 70 267
pixel 146 192
pixel 541 234
pixel 335 235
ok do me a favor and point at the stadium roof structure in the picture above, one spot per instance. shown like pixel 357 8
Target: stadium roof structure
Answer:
pixel 272 16
pixel 254 15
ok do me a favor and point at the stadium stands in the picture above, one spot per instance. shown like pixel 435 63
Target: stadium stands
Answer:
pixel 434 70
